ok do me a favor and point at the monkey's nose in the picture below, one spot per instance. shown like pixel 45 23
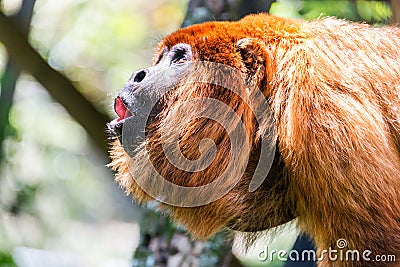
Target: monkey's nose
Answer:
pixel 139 76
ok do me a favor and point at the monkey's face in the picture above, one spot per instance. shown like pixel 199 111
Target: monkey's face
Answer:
pixel 143 96
pixel 194 133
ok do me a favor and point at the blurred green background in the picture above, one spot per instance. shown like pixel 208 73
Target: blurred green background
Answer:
pixel 55 192
pixel 58 201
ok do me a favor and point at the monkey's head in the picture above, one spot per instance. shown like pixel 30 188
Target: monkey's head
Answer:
pixel 195 131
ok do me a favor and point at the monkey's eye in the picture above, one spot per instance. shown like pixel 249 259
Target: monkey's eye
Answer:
pixel 180 60
pixel 180 54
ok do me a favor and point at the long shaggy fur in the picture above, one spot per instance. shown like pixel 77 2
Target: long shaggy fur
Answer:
pixel 334 90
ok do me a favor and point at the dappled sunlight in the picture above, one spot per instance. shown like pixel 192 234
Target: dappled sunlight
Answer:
pixel 58 201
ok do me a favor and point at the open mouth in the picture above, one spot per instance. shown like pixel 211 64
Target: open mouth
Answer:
pixel 115 126
pixel 121 110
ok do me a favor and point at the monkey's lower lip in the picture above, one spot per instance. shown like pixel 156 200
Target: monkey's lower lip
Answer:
pixel 128 114
pixel 120 121
pixel 115 126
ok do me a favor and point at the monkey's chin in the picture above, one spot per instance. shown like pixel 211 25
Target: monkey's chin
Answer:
pixel 114 129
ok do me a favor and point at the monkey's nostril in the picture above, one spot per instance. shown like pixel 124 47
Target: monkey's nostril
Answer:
pixel 139 76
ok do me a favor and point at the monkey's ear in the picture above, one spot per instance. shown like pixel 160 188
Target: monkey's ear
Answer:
pixel 253 54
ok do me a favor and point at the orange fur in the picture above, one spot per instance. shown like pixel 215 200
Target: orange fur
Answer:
pixel 334 90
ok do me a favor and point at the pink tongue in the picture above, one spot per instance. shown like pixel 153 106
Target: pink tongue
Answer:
pixel 120 108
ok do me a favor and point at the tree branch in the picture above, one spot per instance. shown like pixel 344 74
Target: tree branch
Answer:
pixel 59 87
pixel 12 72
pixel 395 5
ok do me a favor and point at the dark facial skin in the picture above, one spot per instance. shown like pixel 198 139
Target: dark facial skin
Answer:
pixel 141 98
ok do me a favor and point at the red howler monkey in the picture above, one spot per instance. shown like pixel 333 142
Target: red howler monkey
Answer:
pixel 333 88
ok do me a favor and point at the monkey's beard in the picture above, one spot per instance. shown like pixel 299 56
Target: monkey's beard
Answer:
pixel 201 221
pixel 142 170
pixel 239 209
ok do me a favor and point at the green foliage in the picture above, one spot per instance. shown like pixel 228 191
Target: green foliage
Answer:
pixel 24 199
pixel 153 225
pixel 6 260
pixel 215 250
pixel 374 12
pixel 159 243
